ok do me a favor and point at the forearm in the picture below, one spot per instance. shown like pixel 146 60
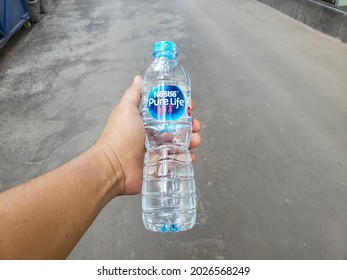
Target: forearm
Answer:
pixel 75 193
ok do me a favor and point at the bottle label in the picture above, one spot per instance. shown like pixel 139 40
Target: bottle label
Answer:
pixel 166 103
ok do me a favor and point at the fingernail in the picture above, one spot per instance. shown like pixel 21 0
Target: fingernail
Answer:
pixel 137 79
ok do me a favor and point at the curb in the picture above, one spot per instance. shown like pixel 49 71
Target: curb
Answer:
pixel 319 16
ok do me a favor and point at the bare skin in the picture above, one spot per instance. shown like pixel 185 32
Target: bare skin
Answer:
pixel 45 217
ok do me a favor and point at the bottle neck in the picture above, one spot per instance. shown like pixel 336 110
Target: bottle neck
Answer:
pixel 167 55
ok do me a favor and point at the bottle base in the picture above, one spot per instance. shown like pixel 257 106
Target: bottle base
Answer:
pixel 159 222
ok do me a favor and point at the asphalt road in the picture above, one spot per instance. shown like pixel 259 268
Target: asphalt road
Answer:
pixel 271 94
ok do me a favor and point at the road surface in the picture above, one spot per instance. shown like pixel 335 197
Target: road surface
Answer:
pixel 271 94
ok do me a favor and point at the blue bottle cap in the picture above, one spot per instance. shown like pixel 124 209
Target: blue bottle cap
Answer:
pixel 165 49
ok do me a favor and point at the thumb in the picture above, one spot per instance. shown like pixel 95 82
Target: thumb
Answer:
pixel 133 93
pixel 137 80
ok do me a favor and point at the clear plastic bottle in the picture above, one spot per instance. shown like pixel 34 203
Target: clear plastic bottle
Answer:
pixel 168 188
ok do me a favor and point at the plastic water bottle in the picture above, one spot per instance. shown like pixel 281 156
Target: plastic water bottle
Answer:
pixel 168 188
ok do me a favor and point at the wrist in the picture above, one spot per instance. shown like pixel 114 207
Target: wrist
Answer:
pixel 109 169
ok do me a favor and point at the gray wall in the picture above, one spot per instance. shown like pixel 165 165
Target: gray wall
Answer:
pixel 324 18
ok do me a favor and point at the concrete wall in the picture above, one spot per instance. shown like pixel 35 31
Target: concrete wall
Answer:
pixel 326 19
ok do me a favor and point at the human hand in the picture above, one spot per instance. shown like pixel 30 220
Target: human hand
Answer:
pixel 123 140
